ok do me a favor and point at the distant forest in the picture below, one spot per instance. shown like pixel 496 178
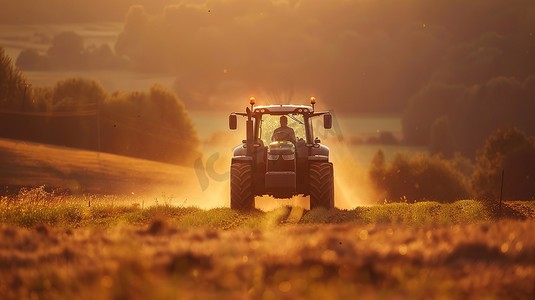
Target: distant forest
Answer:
pixel 456 70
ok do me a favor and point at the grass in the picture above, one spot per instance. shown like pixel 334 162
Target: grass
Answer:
pixel 36 206
pixel 87 247
pixel 492 260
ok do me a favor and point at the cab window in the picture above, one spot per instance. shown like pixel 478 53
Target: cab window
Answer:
pixel 269 123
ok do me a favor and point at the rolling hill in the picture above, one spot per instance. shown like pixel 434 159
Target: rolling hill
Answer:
pixel 80 171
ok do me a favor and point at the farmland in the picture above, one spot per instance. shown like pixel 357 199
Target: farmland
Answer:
pixel 102 226
pixel 94 247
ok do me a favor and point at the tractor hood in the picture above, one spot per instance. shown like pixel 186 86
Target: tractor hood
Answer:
pixel 281 148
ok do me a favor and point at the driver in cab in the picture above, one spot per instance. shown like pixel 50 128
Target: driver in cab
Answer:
pixel 284 133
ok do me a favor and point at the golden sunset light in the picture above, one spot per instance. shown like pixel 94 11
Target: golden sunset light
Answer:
pixel 267 149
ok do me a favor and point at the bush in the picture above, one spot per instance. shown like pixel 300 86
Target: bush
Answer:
pixel 512 151
pixel 417 178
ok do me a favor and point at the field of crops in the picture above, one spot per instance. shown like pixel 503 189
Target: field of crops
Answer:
pixel 55 246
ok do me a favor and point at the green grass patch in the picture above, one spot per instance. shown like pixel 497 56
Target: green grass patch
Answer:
pixel 417 214
pixel 427 213
pixel 38 207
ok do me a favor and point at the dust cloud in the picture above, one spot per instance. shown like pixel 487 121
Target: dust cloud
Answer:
pixel 352 185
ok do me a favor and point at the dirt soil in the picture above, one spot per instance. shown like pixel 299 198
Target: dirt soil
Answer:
pixel 160 261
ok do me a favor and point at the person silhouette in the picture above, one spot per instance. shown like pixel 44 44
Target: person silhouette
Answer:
pixel 284 133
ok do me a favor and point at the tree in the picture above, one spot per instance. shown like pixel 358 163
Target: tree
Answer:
pixel 510 150
pixel 378 167
pixel 66 50
pixel 153 125
pixel 13 85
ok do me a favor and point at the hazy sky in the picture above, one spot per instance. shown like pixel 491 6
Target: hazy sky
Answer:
pixel 359 56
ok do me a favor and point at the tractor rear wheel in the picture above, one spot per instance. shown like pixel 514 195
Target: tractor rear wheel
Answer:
pixel 241 189
pixel 321 185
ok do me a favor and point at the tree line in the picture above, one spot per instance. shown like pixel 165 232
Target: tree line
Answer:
pixel 79 113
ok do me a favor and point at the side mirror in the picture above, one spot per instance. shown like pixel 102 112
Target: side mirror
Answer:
pixel 327 121
pixel 232 122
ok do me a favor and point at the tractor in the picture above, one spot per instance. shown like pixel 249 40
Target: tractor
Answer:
pixel 280 156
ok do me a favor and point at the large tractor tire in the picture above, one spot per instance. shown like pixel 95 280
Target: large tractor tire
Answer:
pixel 321 185
pixel 241 191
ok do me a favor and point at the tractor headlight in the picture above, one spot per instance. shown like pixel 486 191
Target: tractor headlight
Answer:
pixel 288 156
pixel 273 157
